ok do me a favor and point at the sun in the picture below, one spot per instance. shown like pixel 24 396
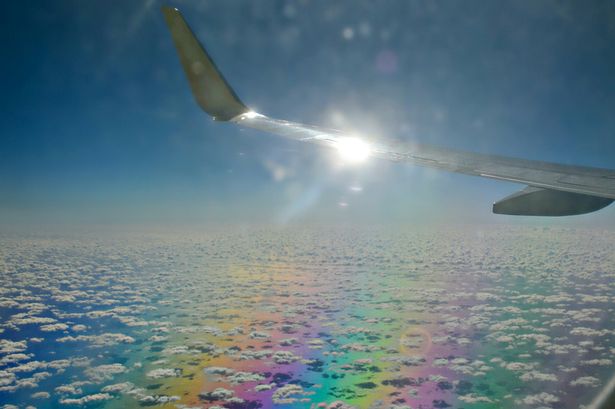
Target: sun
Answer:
pixel 352 150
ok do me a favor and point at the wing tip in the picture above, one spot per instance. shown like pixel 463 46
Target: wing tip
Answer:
pixel 211 91
pixel 534 201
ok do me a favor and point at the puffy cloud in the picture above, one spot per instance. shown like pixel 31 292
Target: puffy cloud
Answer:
pixel 558 298
pixel 473 398
pixel 331 309
pixel 284 357
pixel 20 319
pixel 39 376
pixel 119 387
pixel 288 394
pixel 164 373
pixel 54 327
pixel 248 355
pixel 6 378
pixel 158 338
pixel 80 362
pixel 29 366
pixel 505 338
pixel 538 376
pixel 104 372
pixel 509 325
pixel 219 370
pixel 403 360
pixel 589 381
pixel 588 332
pixel 108 339
pixel 12 347
pixel 84 400
pixel 70 389
pixel 518 366
pixel 21 383
pixel 13 358
pixel 265 387
pixel 597 362
pixel 243 377
pixel 59 364
pixel 259 335
pixel 440 362
pixel 541 399
pixel 343 405
pixel 132 321
pixel 217 394
pixel 158 399
pixel 179 349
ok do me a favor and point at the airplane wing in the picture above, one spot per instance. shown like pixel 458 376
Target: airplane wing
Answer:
pixel 552 189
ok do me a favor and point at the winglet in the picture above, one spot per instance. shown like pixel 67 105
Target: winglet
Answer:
pixel 535 201
pixel 209 87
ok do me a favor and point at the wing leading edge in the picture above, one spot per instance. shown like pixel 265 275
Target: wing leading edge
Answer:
pixel 553 189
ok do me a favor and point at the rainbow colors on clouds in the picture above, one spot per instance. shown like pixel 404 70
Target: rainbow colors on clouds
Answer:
pixel 305 317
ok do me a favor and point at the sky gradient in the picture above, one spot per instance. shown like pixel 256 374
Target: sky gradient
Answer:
pixel 98 124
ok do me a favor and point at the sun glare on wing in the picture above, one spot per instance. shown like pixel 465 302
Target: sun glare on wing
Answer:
pixel 353 150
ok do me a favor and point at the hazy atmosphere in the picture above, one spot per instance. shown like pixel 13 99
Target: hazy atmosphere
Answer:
pixel 151 257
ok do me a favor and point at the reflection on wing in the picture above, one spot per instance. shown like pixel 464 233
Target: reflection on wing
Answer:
pixel 556 189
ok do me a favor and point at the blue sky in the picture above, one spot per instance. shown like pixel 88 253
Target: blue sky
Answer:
pixel 98 124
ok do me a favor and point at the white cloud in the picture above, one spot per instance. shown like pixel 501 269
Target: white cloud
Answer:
pixel 217 394
pixel 6 378
pixel 597 362
pixel 541 399
pixel 119 387
pixel 97 397
pixel 243 377
pixel 288 394
pixel 13 358
pixel 473 398
pixel 108 339
pixel 29 366
pixel 588 332
pixel 41 395
pixel 259 335
pixel 104 372
pixel 54 327
pixel 164 373
pixel 589 381
pixel 158 399
pixel 12 347
pixel 538 376
pixel 285 357
pixel 219 370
